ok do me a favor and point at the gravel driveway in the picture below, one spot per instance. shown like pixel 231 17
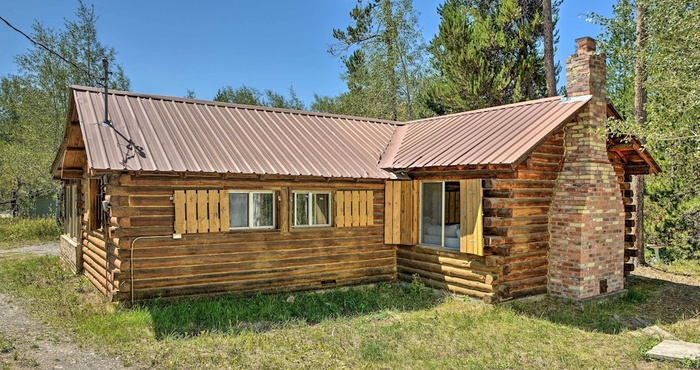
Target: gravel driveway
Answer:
pixel 26 343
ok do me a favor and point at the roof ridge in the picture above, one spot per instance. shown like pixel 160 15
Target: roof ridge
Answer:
pixel 239 106
pixel 481 110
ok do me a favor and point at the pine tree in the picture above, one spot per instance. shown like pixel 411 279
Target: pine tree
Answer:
pixel 486 53
pixel 383 53
pixel 33 103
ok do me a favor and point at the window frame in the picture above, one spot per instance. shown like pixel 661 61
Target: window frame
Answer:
pixel 251 209
pixel 443 192
pixel 71 216
pixel 309 206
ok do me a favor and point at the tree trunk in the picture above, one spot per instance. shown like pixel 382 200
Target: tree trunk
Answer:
pixel 549 49
pixel 640 115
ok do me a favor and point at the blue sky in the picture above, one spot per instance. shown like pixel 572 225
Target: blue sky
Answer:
pixel 167 47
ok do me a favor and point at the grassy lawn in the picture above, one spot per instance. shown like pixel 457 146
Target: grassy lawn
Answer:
pixel 15 232
pixel 385 327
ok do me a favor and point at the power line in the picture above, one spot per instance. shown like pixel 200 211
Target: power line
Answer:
pixel 37 43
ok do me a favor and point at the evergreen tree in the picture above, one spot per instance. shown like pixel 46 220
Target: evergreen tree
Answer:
pixel 33 103
pixel 671 131
pixel 383 53
pixel 252 96
pixel 486 53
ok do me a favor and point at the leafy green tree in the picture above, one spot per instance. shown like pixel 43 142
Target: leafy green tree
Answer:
pixel 487 53
pixel 33 103
pixel 384 56
pixel 668 57
pixel 252 96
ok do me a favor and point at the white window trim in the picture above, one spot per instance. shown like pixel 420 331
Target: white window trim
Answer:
pixel 308 208
pixel 442 216
pixel 250 209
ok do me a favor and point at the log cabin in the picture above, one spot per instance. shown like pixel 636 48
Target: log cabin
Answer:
pixel 169 196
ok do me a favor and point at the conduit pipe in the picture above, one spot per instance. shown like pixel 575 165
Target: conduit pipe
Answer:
pixel 131 259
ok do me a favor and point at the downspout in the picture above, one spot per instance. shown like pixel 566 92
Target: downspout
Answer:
pixel 131 260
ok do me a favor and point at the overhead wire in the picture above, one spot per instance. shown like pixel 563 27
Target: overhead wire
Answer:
pixel 39 44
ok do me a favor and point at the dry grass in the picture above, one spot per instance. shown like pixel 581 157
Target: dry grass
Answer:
pixel 446 333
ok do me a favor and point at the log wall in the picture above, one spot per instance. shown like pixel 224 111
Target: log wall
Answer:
pixel 625 181
pixel 148 259
pixel 516 205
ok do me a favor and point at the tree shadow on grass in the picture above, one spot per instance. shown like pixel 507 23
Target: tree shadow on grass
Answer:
pixel 232 314
pixel 648 301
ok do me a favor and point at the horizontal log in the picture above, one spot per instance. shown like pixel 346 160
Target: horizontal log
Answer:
pixel 270 182
pixel 523 257
pixel 627 200
pixel 479 277
pixel 308 282
pixel 469 284
pixel 252 267
pixel 516 212
pixel 317 252
pixel 546 157
pixel 119 211
pixel 153 293
pixel 516 285
pixel 630 208
pixel 630 238
pixel 518 193
pixel 515 221
pixel 418 253
pixel 193 249
pixel 536 247
pixel 241 236
pixel 535 175
pixel 150 201
pixel 632 252
pixel 542 166
pixel 528 292
pixel 516 202
pixel 527 266
pixel 527 238
pixel 523 276
pixel 550 149
pixel 452 288
pixel 96 280
pixel 629 267
pixel 518 184
pixel 253 277
pixel 512 231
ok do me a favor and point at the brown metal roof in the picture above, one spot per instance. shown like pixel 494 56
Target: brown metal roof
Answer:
pixel 171 134
pixel 499 135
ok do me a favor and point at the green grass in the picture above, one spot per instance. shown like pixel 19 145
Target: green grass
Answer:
pixel 385 326
pixel 15 232
pixel 682 267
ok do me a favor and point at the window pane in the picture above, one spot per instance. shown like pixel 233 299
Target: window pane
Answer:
pixel 301 206
pixel 238 209
pixel 320 209
pixel 263 209
pixel 431 214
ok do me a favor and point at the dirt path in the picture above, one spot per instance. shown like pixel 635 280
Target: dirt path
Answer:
pixel 25 343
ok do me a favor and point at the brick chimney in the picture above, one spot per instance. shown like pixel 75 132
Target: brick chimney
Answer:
pixel 587 214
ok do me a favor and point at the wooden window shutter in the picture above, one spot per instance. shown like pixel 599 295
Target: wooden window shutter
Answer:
pixel 200 211
pixel 472 225
pixel 354 208
pixel 400 213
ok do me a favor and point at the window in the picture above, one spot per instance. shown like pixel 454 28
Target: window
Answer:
pixel 451 215
pixel 70 196
pixel 97 213
pixel 251 209
pixel 312 209
pixel 440 211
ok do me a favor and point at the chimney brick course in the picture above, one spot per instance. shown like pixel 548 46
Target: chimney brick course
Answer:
pixel 587 214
